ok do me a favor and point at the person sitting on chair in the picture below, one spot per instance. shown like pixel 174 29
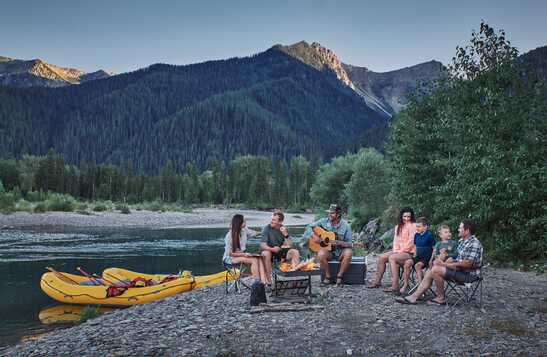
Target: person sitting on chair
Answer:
pixel 234 248
pixel 446 250
pixel 424 242
pixel 465 269
pixel 275 244
pixel 341 247
pixel 403 249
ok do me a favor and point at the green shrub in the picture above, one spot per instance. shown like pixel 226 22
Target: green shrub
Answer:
pixel 17 195
pixel 124 209
pixel 89 312
pixel 7 202
pixel 154 206
pixel 24 206
pixel 40 208
pixel 359 252
pixel 60 203
pixel 36 196
pixel 81 206
pixel 100 207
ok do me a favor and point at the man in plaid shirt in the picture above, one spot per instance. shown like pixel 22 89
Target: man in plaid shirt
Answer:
pixel 465 269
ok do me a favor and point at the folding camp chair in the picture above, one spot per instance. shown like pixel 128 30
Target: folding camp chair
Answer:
pixel 234 277
pixel 413 282
pixel 467 292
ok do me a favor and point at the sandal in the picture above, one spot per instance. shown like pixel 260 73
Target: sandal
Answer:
pixel 436 303
pixel 405 301
pixel 374 286
pixel 393 291
pixel 339 281
pixel 325 282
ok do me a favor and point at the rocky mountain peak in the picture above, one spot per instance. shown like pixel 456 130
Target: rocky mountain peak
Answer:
pixel 37 72
pixel 318 57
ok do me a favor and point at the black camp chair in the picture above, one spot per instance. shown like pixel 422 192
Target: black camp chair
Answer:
pixel 465 293
pixel 234 275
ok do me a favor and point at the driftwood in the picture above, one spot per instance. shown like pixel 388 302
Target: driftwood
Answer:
pixel 283 307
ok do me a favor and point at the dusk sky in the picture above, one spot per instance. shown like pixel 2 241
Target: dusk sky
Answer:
pixel 381 35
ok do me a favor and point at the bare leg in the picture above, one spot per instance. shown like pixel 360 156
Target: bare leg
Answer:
pixel 396 260
pixel 437 272
pixel 381 268
pixel 255 273
pixel 419 271
pixel 262 271
pixel 324 256
pixel 439 283
pixel 345 261
pixel 406 274
pixel 267 260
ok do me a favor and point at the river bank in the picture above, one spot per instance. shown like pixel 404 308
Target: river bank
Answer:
pixel 198 218
pixel 353 321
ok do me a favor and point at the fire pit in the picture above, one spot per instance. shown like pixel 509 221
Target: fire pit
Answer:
pixel 295 283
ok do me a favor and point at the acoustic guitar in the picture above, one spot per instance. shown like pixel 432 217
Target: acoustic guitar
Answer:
pixel 326 239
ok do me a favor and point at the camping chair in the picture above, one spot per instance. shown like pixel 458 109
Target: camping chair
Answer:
pixel 234 277
pixel 413 282
pixel 467 292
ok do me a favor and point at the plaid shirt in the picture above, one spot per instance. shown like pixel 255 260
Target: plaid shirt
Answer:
pixel 471 249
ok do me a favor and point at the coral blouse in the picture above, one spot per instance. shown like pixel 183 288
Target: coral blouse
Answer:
pixel 404 243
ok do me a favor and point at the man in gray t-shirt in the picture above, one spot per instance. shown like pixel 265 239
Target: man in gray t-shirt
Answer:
pixel 275 244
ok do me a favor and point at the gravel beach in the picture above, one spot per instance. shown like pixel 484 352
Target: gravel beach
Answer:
pixel 201 217
pixel 352 320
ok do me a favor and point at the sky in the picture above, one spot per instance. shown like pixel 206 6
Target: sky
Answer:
pixel 381 35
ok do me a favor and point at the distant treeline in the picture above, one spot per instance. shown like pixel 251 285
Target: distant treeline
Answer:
pixel 254 180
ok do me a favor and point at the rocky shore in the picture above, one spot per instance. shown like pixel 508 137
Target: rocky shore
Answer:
pixel 202 217
pixel 353 321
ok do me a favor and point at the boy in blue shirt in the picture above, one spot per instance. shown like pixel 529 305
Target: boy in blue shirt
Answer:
pixel 424 242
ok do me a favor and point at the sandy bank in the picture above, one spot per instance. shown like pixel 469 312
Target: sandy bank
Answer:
pixel 203 217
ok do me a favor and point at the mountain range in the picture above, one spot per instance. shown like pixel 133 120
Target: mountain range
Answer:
pixel 288 100
pixel 36 72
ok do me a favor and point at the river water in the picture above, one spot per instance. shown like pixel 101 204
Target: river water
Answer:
pixel 25 254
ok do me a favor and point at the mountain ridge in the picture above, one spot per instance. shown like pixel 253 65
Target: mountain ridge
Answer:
pixel 273 103
pixel 37 72
pixel 266 104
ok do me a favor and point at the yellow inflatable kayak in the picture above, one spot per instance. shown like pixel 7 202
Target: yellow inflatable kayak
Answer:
pixel 65 313
pixel 76 289
pixel 121 287
pixel 119 275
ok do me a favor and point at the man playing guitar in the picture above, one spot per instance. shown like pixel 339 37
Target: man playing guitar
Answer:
pixel 340 248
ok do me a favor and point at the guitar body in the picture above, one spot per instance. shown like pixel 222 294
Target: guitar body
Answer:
pixel 326 239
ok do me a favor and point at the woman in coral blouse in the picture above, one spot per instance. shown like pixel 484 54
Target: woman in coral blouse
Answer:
pixel 403 248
